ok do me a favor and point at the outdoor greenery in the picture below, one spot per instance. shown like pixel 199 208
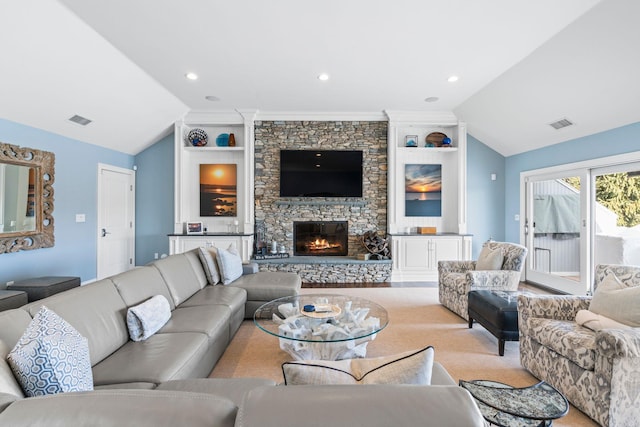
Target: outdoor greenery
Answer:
pixel 619 192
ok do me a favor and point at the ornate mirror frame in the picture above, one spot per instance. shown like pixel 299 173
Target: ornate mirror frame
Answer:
pixel 43 162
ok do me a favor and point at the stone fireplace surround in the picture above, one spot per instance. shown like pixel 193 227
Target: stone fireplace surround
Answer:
pixel 362 214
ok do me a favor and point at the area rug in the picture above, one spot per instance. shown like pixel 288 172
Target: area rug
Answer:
pixel 416 319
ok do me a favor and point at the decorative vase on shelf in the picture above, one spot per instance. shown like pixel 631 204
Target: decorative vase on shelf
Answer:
pixel 232 140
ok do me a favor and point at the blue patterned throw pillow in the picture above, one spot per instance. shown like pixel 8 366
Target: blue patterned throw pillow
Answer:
pixel 51 357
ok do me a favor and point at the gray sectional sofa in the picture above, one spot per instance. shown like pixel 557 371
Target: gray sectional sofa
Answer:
pixel 163 379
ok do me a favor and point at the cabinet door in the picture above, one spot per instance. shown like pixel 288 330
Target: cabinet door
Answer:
pixel 447 249
pixel 415 254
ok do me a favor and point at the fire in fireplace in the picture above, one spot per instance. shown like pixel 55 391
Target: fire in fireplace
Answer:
pixel 320 238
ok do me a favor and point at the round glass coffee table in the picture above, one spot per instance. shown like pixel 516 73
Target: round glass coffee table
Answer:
pixel 322 326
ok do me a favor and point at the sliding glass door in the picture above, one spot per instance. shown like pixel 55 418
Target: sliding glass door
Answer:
pixel 616 213
pixel 557 230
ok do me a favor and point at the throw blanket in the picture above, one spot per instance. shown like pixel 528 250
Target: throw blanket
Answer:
pixel 596 322
pixel 145 319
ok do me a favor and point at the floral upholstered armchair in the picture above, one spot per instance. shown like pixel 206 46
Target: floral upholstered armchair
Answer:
pixel 596 367
pixel 498 268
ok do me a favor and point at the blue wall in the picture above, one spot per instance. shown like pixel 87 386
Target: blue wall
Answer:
pixel 75 188
pixel 154 200
pixel 485 198
pixel 621 140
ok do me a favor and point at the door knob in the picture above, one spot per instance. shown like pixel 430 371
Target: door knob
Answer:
pixel 105 232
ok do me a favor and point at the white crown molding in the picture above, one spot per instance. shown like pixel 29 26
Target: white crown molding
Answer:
pixel 213 117
pixel 422 117
pixel 350 116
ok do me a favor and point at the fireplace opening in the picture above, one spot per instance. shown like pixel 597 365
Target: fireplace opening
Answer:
pixel 320 238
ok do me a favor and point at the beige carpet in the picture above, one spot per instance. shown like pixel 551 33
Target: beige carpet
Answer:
pixel 416 319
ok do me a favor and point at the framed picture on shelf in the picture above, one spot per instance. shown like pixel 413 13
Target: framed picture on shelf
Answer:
pixel 194 227
pixel 411 141
pixel 423 190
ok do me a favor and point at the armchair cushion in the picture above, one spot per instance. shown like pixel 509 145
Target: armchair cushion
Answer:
pixel 490 258
pixel 566 338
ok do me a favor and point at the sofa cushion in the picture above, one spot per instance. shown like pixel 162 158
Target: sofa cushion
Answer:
pixel 490 258
pixel 233 389
pixel 12 325
pixel 269 285
pixel 141 283
pixel 209 264
pixel 8 382
pixel 51 357
pixel 182 277
pixel 617 301
pixel 160 358
pixel 211 321
pixel 231 296
pixel 566 338
pixel 96 311
pixel 229 264
pixel 145 319
pixel 412 367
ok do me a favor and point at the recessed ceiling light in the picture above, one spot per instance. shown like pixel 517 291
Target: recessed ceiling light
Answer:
pixel 212 98
pixel 452 79
pixel 431 99
pixel 191 76
pixel 323 77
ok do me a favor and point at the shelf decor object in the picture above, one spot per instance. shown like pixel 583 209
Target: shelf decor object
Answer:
pixel 434 139
pixel 197 137
pixel 411 141
pixel 222 140
pixel 232 140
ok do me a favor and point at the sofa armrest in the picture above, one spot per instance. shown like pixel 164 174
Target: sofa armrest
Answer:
pixel 144 408
pixel 250 268
pixel 616 343
pixel 455 266
pixel 494 280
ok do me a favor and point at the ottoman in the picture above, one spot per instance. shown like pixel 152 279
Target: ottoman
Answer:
pixel 497 311
pixel 42 287
pixel 12 299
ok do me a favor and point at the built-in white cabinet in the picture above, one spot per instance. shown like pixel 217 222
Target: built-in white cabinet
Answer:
pixel 188 160
pixel 242 242
pixel 415 257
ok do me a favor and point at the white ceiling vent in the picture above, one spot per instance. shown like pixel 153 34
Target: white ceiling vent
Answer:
pixel 80 120
pixel 562 123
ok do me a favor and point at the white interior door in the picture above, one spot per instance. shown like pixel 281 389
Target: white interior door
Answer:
pixel 116 216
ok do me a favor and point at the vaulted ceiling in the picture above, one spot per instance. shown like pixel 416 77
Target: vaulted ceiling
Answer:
pixel 122 64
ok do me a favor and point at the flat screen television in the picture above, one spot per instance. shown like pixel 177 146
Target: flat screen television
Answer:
pixel 320 173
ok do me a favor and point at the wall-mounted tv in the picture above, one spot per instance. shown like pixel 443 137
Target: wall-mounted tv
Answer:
pixel 320 173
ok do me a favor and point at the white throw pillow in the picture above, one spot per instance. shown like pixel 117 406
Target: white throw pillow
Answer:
pixel 597 322
pixel 51 357
pixel 208 259
pixel 411 367
pixel 490 259
pixel 229 264
pixel 617 301
pixel 145 319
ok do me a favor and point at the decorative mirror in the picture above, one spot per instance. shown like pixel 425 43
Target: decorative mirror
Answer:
pixel 26 198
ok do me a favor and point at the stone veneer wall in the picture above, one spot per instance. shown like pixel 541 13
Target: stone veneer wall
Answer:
pixel 370 213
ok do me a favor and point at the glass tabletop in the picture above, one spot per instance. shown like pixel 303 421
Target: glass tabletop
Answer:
pixel 321 318
pixel 507 406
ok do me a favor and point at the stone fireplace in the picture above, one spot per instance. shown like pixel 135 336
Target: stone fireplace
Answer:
pixel 320 238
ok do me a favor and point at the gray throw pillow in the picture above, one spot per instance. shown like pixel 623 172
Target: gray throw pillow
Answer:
pixel 617 301
pixel 490 259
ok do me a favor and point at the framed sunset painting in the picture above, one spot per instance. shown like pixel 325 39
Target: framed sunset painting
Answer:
pixel 423 190
pixel 218 190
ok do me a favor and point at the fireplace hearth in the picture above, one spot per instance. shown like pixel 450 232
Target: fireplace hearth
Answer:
pixel 320 238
